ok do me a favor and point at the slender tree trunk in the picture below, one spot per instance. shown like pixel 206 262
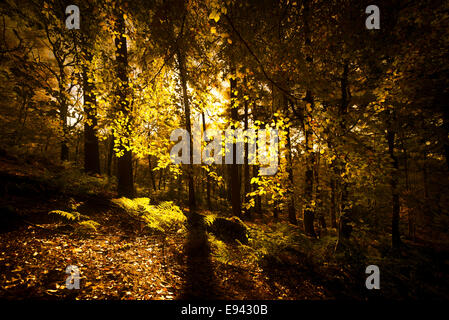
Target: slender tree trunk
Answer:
pixel 209 206
pixel 136 168
pixel 150 169
pixel 183 78
pixel 258 200
pixel 63 113
pixel 234 167
pixel 407 188
pixel 161 175
pixel 425 181
pixel 344 229
pixel 246 183
pixel 21 121
pixel 290 189
pixel 63 108
pixel 124 162
pixel 446 132
pixel 77 149
pixel 333 205
pixel 396 239
pixel 309 209
pixel 318 193
pixel 110 155
pixel 91 148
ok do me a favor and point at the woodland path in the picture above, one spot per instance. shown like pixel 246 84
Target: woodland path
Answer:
pixel 118 261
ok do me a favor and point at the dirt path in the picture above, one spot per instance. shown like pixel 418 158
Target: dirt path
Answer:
pixel 119 263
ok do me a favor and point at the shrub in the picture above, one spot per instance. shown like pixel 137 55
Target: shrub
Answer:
pixel 229 229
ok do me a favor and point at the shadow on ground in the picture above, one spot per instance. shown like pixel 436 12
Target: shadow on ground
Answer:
pixel 200 281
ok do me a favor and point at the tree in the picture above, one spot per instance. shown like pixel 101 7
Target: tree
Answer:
pixel 124 161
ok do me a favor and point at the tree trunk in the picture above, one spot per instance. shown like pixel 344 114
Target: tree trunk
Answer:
pixel 110 155
pixel 150 169
pixel 446 132
pixel 309 210
pixel 183 78
pixel 124 162
pixel 246 175
pixel 234 167
pixel 345 229
pixel 161 176
pixel 290 189
pixel 333 205
pixel 396 240
pixel 209 206
pixel 91 148
pixel 410 215
pixel 136 168
pixel 318 200
pixel 258 200
pixel 63 112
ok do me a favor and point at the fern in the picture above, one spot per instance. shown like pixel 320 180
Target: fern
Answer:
pixel 164 217
pixel 71 216
pixel 84 226
pixel 89 225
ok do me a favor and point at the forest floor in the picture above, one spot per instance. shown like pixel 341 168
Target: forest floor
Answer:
pixel 119 261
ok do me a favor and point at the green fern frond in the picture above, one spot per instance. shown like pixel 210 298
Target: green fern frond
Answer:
pixel 89 225
pixel 71 216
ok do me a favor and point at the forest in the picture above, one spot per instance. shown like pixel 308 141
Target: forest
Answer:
pixel 224 149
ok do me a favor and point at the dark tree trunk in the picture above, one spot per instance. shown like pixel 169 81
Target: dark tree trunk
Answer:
pixel 396 239
pixel 150 169
pixel 91 148
pixel 345 229
pixel 246 175
pixel 446 131
pixel 234 167
pixel 333 204
pixel 161 176
pixel 183 78
pixel 290 189
pixel 209 206
pixel 309 210
pixel 110 155
pixel 63 112
pixel 124 162
pixel 63 107
pixel 410 216
pixel 258 200
pixel 318 200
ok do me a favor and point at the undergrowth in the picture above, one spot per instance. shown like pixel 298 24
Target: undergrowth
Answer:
pixel 164 217
pixel 83 225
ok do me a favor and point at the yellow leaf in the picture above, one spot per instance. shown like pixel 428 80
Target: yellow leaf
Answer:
pixel 214 15
pixel 213 30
